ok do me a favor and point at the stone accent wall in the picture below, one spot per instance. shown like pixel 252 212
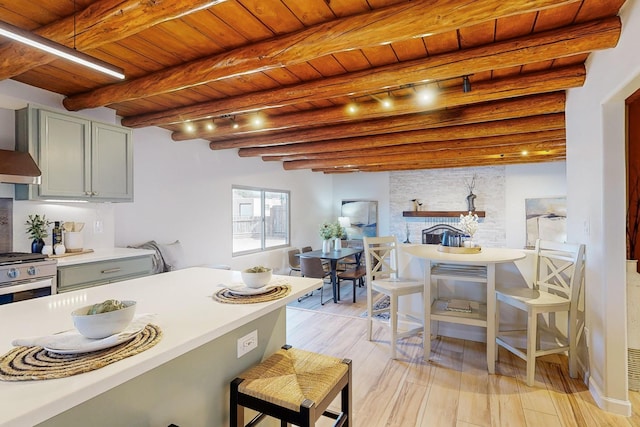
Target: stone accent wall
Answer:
pixel 446 190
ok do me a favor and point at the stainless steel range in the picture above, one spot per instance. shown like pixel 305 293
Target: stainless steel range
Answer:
pixel 24 276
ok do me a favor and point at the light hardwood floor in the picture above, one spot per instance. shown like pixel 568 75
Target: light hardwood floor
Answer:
pixel 453 389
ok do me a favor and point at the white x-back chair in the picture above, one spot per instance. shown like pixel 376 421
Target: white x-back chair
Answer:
pixel 556 284
pixel 381 262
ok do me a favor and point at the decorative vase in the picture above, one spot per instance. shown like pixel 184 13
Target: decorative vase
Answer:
pixel 469 243
pixel 36 246
pixel 326 246
pixel 471 207
pixel 337 244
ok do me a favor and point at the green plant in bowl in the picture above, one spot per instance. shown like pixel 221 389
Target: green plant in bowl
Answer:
pixel 256 277
pixel 104 319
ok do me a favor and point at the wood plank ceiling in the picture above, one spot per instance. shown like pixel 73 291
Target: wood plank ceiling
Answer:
pixel 306 83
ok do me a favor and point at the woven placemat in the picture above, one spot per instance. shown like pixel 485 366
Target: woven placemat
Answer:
pixel 36 363
pixel 275 292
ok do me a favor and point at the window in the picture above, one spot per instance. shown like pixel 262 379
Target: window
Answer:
pixel 260 219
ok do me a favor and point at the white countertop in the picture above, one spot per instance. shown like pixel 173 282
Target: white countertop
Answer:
pixel 186 313
pixel 485 256
pixel 103 255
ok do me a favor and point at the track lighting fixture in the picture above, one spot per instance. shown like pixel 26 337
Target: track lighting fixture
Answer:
pixel 385 102
pixel 426 95
pixel 34 40
pixel 466 84
pixel 352 108
pixel 257 120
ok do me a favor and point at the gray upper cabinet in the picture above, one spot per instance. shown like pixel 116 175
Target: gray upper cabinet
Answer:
pixel 79 159
pixel 111 162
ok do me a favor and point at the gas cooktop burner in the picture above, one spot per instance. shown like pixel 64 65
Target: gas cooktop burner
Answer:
pixel 13 257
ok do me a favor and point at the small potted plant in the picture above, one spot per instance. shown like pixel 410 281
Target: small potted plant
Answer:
pixel 37 231
pixel 326 233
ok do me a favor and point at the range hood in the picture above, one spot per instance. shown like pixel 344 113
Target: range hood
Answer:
pixel 18 168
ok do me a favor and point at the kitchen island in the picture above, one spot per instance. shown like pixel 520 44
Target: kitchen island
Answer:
pixel 182 380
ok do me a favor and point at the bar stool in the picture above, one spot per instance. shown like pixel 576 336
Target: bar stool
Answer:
pixel 294 386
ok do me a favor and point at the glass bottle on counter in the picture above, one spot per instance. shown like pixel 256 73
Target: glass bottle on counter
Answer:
pixel 56 234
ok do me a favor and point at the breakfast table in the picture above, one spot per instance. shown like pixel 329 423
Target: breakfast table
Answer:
pixel 180 372
pixel 475 267
pixel 333 256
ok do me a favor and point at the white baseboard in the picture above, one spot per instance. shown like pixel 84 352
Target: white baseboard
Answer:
pixel 615 406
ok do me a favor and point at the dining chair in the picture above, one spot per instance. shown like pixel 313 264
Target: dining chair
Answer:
pixel 294 261
pixel 314 268
pixel 555 288
pixel 306 249
pixel 381 263
pixel 356 274
pixel 351 261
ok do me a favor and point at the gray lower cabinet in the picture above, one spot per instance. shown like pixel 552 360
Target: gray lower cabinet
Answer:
pixel 78 276
pixel 80 159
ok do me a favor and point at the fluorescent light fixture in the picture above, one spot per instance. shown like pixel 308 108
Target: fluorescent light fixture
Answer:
pixel 34 40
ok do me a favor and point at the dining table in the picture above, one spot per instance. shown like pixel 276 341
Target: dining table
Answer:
pixel 333 256
pixel 473 267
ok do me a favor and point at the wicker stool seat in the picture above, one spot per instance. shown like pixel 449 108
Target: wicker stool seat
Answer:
pixel 294 386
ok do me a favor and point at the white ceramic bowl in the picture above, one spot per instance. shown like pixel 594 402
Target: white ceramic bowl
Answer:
pixel 102 325
pixel 256 280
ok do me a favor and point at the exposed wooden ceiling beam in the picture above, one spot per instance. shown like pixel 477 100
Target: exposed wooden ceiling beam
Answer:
pixel 456 163
pixel 100 23
pixel 552 136
pixel 398 22
pixel 544 46
pixel 483 91
pixel 537 148
pixel 502 127
pixel 492 111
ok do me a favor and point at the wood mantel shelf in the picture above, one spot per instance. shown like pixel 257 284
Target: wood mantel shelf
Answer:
pixel 438 214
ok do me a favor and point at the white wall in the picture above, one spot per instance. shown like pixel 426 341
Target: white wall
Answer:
pixel 372 186
pixel 596 204
pixel 501 192
pixel 183 192
pixel 529 181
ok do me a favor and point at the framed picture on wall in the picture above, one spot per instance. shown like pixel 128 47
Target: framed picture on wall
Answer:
pixel 359 218
pixel 546 219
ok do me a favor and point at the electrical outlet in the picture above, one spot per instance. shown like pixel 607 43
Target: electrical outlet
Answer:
pixel 247 343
